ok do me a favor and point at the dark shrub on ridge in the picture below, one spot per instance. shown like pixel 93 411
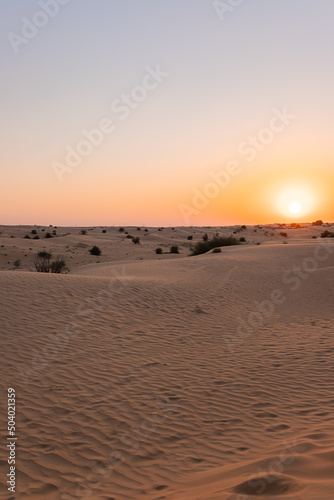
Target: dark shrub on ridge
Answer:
pixel 215 242
pixel 95 250
pixel 174 249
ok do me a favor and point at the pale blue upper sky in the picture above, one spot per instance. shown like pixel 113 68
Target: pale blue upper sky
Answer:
pixel 225 77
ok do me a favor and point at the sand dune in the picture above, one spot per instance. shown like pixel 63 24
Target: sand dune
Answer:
pixel 172 377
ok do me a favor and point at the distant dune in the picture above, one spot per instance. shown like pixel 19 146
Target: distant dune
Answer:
pixel 146 376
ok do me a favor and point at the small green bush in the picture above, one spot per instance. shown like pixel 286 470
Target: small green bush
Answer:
pixel 95 250
pixel 216 241
pixel 327 234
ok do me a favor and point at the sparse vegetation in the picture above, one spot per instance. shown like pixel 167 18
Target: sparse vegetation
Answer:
pixel 17 263
pixel 189 237
pixel 48 235
pixel 327 234
pixel 285 235
pixel 27 237
pixel 174 249
pixel 242 239
pixel 95 250
pixel 83 231
pixel 54 232
pixel 158 251
pixel 205 237
pixel 136 240
pixel 317 223
pixel 34 231
pixel 36 237
pixel 215 242
pixel 121 229
pixel 42 262
pixel 243 227
pixel 217 250
pixel 58 265
pixel 104 230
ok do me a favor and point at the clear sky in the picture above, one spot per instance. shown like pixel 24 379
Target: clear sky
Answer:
pixel 208 114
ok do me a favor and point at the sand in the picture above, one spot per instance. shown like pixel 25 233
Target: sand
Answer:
pixel 144 376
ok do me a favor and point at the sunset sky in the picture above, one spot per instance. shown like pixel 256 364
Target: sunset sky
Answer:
pixel 185 92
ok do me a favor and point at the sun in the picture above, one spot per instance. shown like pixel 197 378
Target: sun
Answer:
pixel 295 207
pixel 295 201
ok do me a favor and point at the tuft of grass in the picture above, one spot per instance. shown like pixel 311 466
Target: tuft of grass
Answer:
pixel 17 263
pixel 95 250
pixel 58 265
pixel 215 242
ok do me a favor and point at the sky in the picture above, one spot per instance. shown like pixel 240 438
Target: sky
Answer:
pixel 178 112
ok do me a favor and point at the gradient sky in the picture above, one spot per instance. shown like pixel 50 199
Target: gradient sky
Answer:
pixel 225 78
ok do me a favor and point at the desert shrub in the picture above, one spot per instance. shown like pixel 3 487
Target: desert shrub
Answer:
pixel 327 234
pixel 317 223
pixel 36 237
pixel 146 230
pixel 174 249
pixel 42 262
pixel 129 236
pixel 216 250
pixel 314 237
pixel 243 227
pixel 242 239
pixel 17 263
pixel 34 231
pixel 83 231
pixel 294 225
pixel 27 237
pixel 121 229
pixel 158 251
pixel 104 230
pixel 136 240
pixel 95 250
pixel 285 235
pixel 58 265
pixel 189 237
pixel 205 237
pixel 138 228
pixel 54 232
pixel 216 241
pixel 48 235
pixel 43 229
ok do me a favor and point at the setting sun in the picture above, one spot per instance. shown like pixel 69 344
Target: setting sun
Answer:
pixel 295 207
